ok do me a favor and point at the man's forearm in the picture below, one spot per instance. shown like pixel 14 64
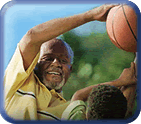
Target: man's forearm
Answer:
pixel 47 31
pixel 53 28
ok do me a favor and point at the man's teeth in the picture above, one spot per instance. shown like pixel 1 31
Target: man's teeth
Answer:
pixel 56 73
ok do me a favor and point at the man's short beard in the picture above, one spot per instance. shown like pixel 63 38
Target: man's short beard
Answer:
pixel 52 85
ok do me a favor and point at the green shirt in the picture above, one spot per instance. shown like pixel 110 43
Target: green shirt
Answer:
pixel 76 110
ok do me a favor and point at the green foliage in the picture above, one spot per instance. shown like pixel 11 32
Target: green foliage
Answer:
pixel 96 60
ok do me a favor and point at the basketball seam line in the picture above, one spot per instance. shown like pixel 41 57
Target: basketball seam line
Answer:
pixel 129 23
pixel 113 28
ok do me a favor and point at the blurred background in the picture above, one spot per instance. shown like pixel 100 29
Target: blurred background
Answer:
pixel 96 59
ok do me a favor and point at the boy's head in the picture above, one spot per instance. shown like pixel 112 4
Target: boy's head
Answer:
pixel 106 102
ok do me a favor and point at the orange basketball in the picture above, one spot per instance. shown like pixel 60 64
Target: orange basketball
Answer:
pixel 121 25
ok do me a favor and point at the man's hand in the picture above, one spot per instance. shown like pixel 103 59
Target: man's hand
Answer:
pixel 100 13
pixel 128 76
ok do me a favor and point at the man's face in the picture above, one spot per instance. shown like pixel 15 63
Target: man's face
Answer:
pixel 54 64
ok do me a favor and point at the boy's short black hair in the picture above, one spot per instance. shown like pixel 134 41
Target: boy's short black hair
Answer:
pixel 106 102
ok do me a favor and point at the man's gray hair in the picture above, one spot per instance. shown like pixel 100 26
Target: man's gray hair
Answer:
pixel 70 51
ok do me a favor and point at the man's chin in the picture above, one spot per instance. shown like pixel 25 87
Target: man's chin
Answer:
pixel 57 85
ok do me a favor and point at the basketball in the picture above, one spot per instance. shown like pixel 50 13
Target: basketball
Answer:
pixel 121 26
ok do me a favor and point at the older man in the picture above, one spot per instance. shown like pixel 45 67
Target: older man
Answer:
pixel 36 95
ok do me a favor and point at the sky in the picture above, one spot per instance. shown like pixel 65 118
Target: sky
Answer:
pixel 19 18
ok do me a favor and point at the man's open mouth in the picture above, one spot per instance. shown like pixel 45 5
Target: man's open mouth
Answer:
pixel 55 73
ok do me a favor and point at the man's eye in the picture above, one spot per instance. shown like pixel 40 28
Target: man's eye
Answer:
pixel 47 59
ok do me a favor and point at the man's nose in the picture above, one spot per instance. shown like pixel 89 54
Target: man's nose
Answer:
pixel 56 63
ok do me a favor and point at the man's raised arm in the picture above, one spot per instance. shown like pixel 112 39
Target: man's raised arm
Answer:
pixel 33 39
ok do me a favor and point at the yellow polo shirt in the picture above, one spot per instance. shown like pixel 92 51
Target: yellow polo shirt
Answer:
pixel 26 98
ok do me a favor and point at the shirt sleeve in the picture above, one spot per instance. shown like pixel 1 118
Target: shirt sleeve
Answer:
pixel 75 111
pixel 15 74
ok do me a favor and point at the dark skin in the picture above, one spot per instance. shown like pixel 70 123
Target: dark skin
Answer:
pixel 44 32
pixel 54 64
